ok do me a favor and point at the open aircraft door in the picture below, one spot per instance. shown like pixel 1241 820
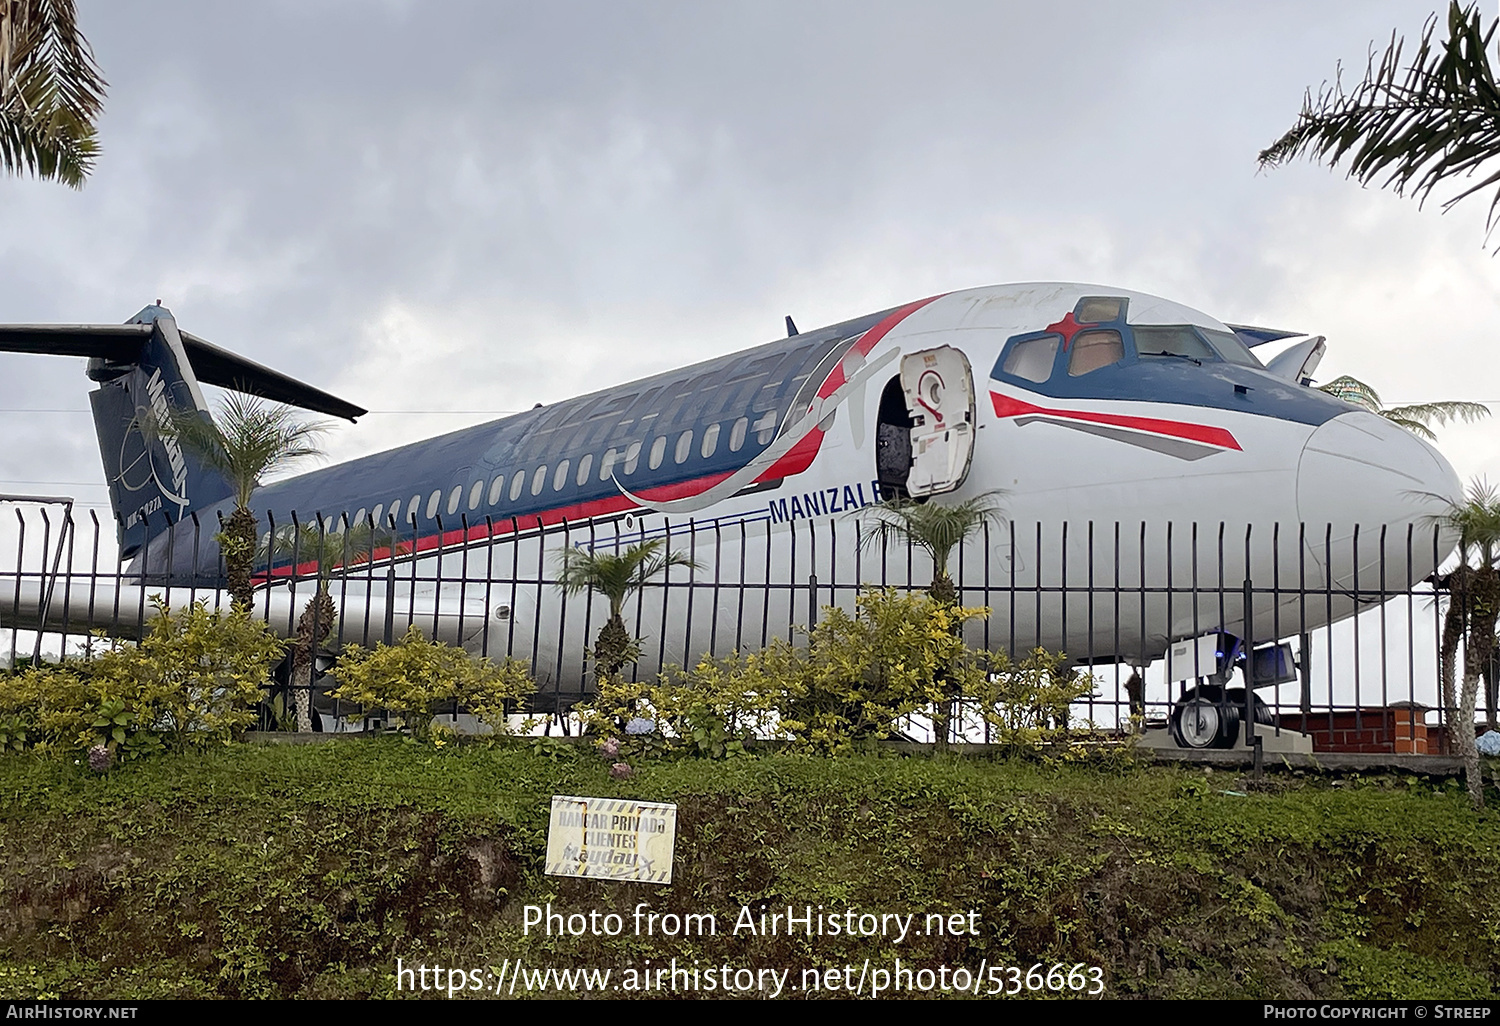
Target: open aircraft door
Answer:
pixel 939 389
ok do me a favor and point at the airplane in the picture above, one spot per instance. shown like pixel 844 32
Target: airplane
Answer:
pixel 1077 404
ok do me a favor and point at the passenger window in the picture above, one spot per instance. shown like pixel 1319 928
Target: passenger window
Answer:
pixel 1032 358
pixel 561 477
pixel 359 518
pixel 453 499
pixel 765 428
pixel 607 465
pixel 539 480
pixel 516 484
pixel 497 488
pixel 684 447
pixel 475 494
pixel 432 502
pixel 1094 349
pixel 414 509
pixel 737 434
pixel 583 469
pixel 632 457
pixel 658 450
pixel 396 511
pixel 375 515
pixel 710 440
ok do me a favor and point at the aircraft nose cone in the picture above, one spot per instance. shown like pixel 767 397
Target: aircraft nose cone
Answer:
pixel 1360 469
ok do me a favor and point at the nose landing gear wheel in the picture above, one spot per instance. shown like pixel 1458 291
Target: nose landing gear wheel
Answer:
pixel 1209 717
pixel 1202 721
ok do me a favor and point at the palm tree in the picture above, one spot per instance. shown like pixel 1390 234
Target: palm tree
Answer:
pixel 1414 418
pixel 1473 609
pixel 51 91
pixel 1426 123
pixel 616 576
pixel 248 440
pixel 331 549
pixel 934 528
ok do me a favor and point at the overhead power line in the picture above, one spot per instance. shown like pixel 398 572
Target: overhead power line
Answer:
pixel 456 413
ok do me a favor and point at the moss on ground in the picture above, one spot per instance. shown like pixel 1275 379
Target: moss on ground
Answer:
pixel 281 871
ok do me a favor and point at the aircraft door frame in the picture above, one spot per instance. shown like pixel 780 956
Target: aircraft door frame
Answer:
pixel 939 389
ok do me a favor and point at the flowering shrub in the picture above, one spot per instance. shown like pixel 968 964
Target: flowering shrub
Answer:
pixel 416 678
pixel 860 675
pixel 853 680
pixel 1025 703
pixel 193 680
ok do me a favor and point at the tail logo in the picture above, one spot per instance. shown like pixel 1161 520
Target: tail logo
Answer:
pixel 138 471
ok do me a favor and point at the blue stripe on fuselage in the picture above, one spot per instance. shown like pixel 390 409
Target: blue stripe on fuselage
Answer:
pixel 1181 382
pixel 758 384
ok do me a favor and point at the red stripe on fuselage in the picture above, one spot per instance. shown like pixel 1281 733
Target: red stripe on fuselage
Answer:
pixel 1006 406
pixel 797 459
pixel 546 518
pixel 867 341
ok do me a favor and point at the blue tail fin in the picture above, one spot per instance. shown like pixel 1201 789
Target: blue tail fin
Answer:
pixel 153 481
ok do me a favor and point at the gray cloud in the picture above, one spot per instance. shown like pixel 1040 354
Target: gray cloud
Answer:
pixel 479 206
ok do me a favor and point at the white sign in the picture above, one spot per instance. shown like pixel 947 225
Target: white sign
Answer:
pixel 611 839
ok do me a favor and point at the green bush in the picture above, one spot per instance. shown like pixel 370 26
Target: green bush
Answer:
pixel 193 680
pixel 416 678
pixel 859 675
pixel 711 710
pixel 852 682
pixel 1025 704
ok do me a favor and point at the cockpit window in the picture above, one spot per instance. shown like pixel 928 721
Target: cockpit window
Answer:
pixel 1094 349
pixel 1100 309
pixel 1032 358
pixel 1172 340
pixel 1229 346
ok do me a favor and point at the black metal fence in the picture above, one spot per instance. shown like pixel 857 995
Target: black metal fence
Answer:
pixel 1359 608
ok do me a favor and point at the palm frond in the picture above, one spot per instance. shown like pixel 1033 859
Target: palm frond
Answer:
pixel 1477 521
pixel 1417 125
pixel 1441 413
pixel 617 575
pixel 249 440
pixel 1416 427
pixel 331 545
pixel 1416 417
pixel 51 91
pixel 1353 391
pixel 934 527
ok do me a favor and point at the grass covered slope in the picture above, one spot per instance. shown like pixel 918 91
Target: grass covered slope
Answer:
pixel 308 871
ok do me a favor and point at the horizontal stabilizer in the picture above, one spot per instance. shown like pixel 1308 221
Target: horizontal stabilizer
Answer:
pixel 117 343
pixel 121 344
pixel 216 366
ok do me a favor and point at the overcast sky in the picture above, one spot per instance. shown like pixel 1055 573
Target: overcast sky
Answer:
pixel 475 207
